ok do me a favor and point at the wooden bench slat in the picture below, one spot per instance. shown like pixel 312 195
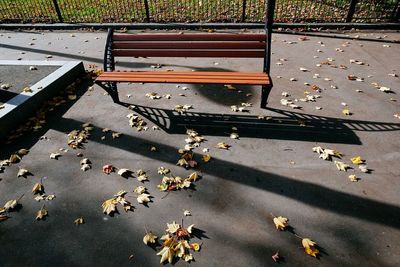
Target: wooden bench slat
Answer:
pixel 189 45
pixel 182 80
pixel 195 73
pixel 190 37
pixel 187 76
pixel 189 53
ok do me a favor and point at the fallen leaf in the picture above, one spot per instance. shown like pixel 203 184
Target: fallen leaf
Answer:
pixel 79 221
pixel 14 158
pixel 140 190
pixel 346 112
pixel 353 178
pixel 309 247
pixel 166 253
pixel 143 198
pixel 109 206
pixel 23 152
pixel 85 167
pixel 281 223
pixel 172 227
pixel 108 168
pixel 55 155
pixel 341 166
pixel 124 172
pixel 37 188
pixel 23 173
pixel 149 238
pixel 187 213
pixel 223 145
pixel 363 168
pixel 206 158
pixel 275 257
pixel 357 160
pixel 41 214
pixel 234 136
pixel 10 205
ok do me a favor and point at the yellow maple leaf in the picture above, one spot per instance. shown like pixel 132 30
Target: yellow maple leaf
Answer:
pixel 37 188
pixel 309 247
pixel 149 238
pixel 41 214
pixel 223 145
pixel 346 112
pixel 109 206
pixel 166 253
pixel 79 221
pixel 172 227
pixel 357 160
pixel 281 223
pixel 341 166
pixel 353 178
pixel 206 158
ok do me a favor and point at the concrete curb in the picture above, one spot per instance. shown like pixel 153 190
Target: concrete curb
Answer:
pixel 193 26
pixel 20 107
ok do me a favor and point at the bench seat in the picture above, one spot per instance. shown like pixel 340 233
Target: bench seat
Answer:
pixel 245 78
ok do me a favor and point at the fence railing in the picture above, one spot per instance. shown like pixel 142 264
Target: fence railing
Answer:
pixel 123 11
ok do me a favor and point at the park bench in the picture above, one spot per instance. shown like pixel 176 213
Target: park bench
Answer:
pixel 188 45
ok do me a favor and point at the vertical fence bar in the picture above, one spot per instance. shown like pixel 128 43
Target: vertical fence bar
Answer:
pixel 57 8
pixel 352 10
pixel 244 11
pixel 146 6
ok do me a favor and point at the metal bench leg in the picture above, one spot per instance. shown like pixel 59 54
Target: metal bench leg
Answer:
pixel 111 89
pixel 266 89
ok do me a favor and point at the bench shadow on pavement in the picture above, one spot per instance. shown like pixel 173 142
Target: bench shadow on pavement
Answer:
pixel 286 125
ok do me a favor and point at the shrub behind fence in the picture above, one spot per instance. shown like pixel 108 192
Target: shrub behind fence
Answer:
pixel 87 11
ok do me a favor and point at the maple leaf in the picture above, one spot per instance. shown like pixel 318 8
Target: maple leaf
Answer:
pixel 346 112
pixel 55 155
pixel 85 167
pixel 109 206
pixel 193 176
pixel 275 257
pixel 108 168
pixel 318 149
pixel 281 223
pixel 357 160
pixel 140 190
pixel 363 168
pixel 188 257
pixel 14 158
pixel 163 170
pixel 206 158
pixel 41 214
pixel 309 247
pixel 149 238
pixel 166 253
pixel 79 221
pixel 234 136
pixel 85 161
pixel 143 198
pixel 187 213
pixel 37 188
pixel 341 166
pixel 10 205
pixel 23 152
pixel 172 227
pixel 353 178
pixel 223 145
pixel 124 172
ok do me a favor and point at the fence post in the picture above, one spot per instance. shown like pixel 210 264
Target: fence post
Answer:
pixel 57 8
pixel 244 11
pixel 146 6
pixel 352 10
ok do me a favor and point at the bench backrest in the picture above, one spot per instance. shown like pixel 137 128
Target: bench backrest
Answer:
pixel 189 45
pixel 229 45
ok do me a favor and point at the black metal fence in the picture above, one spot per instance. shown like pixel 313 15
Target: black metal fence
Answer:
pixel 123 11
